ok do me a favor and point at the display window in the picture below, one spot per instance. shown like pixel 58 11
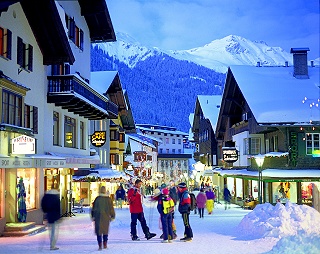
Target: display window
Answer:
pixel 52 181
pixel 284 191
pixel 307 192
pixel 26 178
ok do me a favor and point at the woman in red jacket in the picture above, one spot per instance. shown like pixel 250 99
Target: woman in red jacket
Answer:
pixel 136 210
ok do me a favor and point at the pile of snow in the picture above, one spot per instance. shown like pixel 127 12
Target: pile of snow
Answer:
pixel 281 221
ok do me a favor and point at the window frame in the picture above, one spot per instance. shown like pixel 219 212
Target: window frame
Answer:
pixel 71 123
pixel 310 139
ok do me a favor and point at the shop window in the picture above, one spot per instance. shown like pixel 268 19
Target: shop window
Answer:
pixel 11 108
pixel 28 176
pixel 69 132
pixel 24 55
pixel 312 142
pixel 307 192
pixel 56 134
pixel 284 191
pixel 5 43
pixel 82 136
pixel 251 146
pixel 52 179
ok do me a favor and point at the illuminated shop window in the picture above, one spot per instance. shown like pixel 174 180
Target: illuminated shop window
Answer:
pixel 28 176
pixel 312 142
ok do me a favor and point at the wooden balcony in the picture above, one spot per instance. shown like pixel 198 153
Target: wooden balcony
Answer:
pixel 72 93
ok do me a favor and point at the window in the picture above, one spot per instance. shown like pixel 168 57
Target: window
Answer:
pixel 11 108
pixel 5 42
pixel 167 150
pixel 114 159
pixel 121 138
pixel 173 150
pixel 167 140
pixel 114 135
pixel 31 118
pixel 161 150
pixel 56 129
pixel 173 141
pixel 69 132
pixel 60 69
pixel 28 175
pixel 24 55
pixel 75 34
pixel 179 151
pixel 82 136
pixel 179 141
pixel 312 142
pixel 251 146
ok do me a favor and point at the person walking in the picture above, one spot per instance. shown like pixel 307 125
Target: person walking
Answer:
pixel 50 205
pixel 120 196
pixel 201 202
pixel 184 209
pixel 136 210
pixel 226 196
pixel 210 200
pixel 173 193
pixel 102 213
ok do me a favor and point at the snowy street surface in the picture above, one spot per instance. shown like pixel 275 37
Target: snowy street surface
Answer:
pixel 225 231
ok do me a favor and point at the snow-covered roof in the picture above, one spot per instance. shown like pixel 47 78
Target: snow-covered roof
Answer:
pixel 139 138
pixel 210 105
pixel 101 80
pixel 275 96
pixel 163 131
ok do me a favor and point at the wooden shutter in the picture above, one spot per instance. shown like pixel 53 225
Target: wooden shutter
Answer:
pixel 20 52
pixel 81 39
pixel 35 120
pixel 30 58
pixel 9 43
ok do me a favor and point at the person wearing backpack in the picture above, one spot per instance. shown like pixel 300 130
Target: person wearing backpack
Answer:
pixel 184 208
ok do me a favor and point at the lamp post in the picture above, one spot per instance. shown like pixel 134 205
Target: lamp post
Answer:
pixel 259 160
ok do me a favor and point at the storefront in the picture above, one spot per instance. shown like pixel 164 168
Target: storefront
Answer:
pixel 297 186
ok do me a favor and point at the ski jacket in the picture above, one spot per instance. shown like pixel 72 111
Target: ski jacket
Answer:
pixel 201 200
pixel 134 199
pixel 185 202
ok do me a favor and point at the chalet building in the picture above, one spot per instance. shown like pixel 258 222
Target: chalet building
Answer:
pixel 141 158
pixel 46 99
pixel 173 161
pixel 204 124
pixel 271 113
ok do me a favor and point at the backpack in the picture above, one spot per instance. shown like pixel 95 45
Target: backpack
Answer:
pixel 193 200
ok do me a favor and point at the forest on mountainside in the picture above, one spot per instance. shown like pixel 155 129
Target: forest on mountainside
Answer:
pixel 162 90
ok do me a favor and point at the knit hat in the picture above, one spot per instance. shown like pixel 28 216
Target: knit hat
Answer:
pixel 165 192
pixel 163 186
pixel 156 192
pixel 182 185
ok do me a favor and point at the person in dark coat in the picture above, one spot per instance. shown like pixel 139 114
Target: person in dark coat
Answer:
pixel 50 205
pixel 226 196
pixel 136 210
pixel 102 214
pixel 184 209
pixel 120 196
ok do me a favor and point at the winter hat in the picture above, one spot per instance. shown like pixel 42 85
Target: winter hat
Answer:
pixel 163 186
pixel 165 192
pixel 156 192
pixel 182 185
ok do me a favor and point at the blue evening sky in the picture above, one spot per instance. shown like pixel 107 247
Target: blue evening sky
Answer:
pixel 186 24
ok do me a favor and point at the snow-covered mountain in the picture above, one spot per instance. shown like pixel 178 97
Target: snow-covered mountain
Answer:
pixel 216 55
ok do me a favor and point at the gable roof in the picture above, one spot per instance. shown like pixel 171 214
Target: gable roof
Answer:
pixel 275 96
pixel 210 106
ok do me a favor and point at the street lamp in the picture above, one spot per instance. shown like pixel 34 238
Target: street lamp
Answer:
pixel 259 160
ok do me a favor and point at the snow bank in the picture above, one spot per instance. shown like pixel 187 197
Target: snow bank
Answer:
pixel 280 221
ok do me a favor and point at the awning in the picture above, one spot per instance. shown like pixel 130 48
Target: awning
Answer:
pixel 80 161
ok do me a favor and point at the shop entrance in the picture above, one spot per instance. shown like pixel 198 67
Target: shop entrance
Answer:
pixel 11 195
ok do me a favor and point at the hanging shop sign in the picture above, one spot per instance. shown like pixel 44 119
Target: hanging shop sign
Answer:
pixel 230 154
pixel 98 138
pixel 23 145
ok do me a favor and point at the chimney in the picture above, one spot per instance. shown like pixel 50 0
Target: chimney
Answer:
pixel 300 62
pixel 312 63
pixel 258 64
pixel 286 64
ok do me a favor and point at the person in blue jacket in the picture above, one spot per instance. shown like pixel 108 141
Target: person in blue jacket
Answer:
pixel 120 196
